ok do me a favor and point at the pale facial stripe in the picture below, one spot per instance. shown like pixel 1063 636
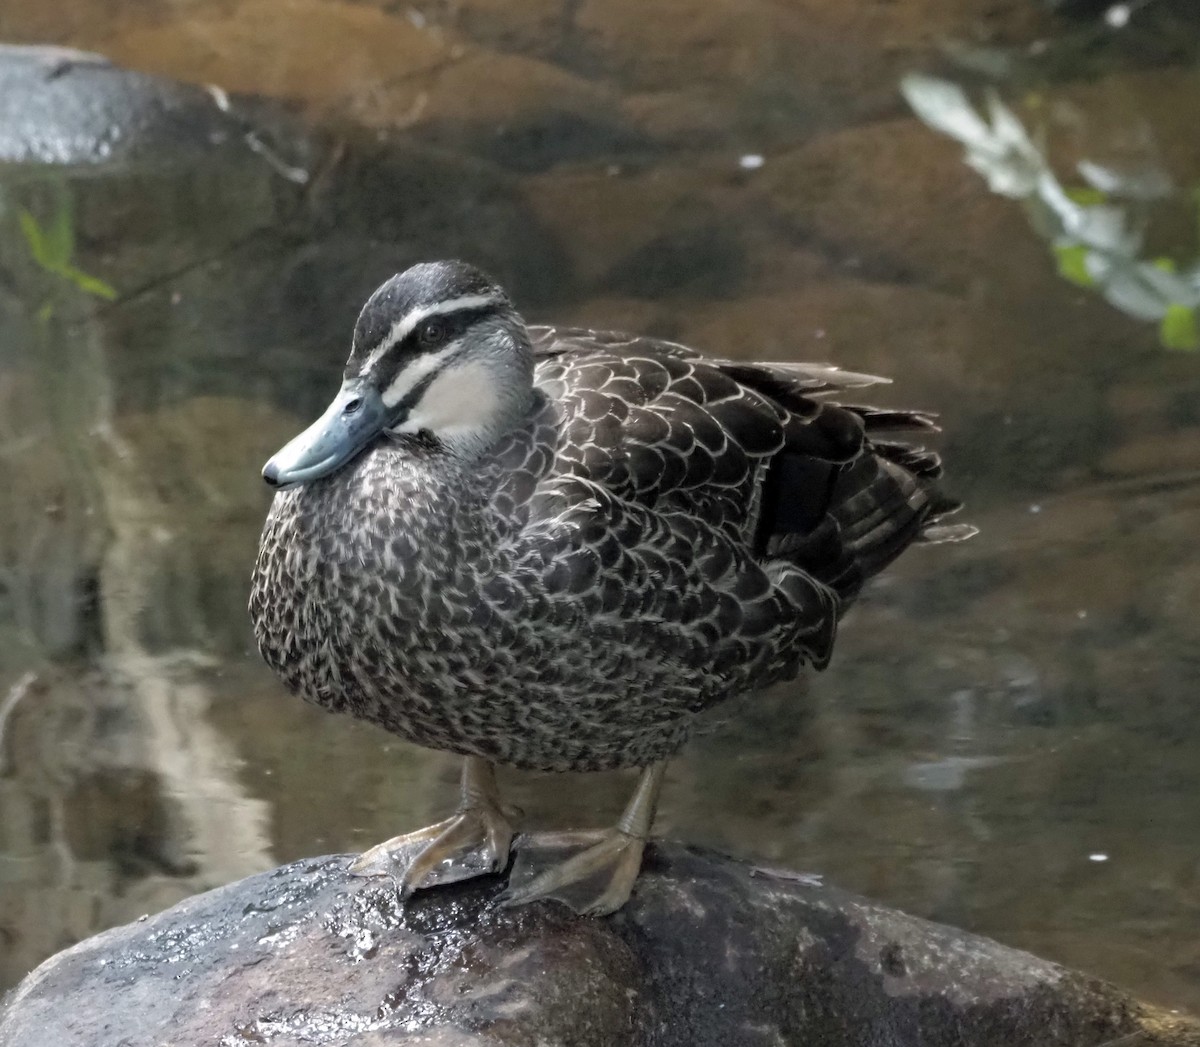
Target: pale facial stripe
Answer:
pixel 460 404
pixel 405 326
pixel 416 372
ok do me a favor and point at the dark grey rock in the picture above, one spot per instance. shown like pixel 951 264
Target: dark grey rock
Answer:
pixel 708 952
pixel 65 107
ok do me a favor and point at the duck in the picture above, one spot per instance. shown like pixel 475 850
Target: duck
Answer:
pixel 558 549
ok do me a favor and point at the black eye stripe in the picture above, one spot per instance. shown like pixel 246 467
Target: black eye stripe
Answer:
pixel 452 324
pixel 411 347
pixel 416 392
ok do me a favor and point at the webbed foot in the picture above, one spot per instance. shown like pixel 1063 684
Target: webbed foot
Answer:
pixel 474 841
pixel 594 882
pixel 599 879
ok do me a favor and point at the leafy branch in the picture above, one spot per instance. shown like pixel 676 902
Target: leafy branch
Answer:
pixel 1095 230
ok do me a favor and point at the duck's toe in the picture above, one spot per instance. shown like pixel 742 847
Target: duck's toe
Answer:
pixel 594 882
pixel 474 842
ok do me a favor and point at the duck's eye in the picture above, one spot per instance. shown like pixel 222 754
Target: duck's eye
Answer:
pixel 432 332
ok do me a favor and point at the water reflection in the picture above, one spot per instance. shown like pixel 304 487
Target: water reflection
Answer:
pixel 996 713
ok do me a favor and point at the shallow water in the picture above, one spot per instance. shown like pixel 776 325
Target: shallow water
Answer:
pixel 1006 739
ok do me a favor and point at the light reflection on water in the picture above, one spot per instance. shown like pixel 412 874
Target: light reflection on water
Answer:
pixel 996 714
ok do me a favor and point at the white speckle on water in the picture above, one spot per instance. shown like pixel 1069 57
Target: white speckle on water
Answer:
pixel 1117 16
pixel 751 161
pixel 1097 857
pixel 1035 509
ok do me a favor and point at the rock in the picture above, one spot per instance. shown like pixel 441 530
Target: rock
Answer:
pixel 685 118
pixel 845 188
pixel 143 174
pixel 708 952
pixel 532 27
pixel 320 52
pixel 786 69
pixel 662 205
pixel 358 64
pixel 1156 415
pixel 76 24
pixel 723 69
pixel 1078 8
pixel 710 70
pixel 66 107
pixel 522 112
pixel 857 324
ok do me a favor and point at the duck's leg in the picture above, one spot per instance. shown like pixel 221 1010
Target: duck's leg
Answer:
pixel 474 841
pixel 599 879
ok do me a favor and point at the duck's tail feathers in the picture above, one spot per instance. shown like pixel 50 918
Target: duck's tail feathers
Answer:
pixel 845 520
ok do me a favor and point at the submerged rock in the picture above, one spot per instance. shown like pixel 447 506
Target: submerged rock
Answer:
pixel 708 952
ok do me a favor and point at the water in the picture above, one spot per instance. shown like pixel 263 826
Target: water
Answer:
pixel 1006 739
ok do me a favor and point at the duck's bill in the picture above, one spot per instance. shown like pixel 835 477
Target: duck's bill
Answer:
pixel 356 416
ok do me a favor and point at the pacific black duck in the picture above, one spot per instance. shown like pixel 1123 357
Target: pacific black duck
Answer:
pixel 555 548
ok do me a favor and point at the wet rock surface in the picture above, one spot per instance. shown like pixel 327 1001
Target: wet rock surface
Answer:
pixel 68 107
pixel 709 951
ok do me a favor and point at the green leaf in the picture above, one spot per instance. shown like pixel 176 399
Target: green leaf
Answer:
pixel 1085 195
pixel 60 236
pixel 1178 328
pixel 1167 265
pixel 35 238
pixel 1072 264
pixel 91 284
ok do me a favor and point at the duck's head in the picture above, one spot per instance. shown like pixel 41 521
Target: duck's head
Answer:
pixel 438 349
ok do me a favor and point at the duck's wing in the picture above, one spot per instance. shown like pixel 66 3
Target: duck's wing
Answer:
pixel 730 505
pixel 761 449
pixel 658 424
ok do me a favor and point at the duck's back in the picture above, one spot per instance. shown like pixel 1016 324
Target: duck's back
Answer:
pixel 758 454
